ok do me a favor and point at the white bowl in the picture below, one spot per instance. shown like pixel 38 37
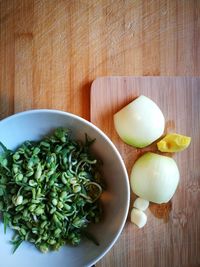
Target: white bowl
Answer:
pixel 33 125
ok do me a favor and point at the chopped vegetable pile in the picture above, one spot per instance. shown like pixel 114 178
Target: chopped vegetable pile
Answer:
pixel 49 191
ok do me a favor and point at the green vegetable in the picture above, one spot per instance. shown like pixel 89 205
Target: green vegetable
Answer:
pixel 49 191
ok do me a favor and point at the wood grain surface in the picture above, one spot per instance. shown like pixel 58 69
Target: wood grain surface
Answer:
pixel 52 50
pixel 172 234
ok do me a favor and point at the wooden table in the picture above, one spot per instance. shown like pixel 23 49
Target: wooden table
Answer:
pixel 51 51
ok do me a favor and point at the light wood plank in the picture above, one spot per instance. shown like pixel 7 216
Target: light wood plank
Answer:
pixel 172 234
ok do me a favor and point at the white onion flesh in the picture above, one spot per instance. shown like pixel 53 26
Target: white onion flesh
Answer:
pixel 155 177
pixel 140 123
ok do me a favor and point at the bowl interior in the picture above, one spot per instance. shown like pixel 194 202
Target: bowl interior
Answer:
pixel 33 125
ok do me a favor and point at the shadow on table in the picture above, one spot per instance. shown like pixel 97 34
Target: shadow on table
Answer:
pixel 85 98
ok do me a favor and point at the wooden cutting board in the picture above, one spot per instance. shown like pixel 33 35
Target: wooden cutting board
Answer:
pixel 171 236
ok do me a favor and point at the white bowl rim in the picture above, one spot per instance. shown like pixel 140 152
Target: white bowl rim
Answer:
pixel 55 111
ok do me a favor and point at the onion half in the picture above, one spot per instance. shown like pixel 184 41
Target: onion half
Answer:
pixel 155 177
pixel 139 123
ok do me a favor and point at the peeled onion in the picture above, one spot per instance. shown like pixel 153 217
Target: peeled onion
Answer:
pixel 140 123
pixel 155 177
